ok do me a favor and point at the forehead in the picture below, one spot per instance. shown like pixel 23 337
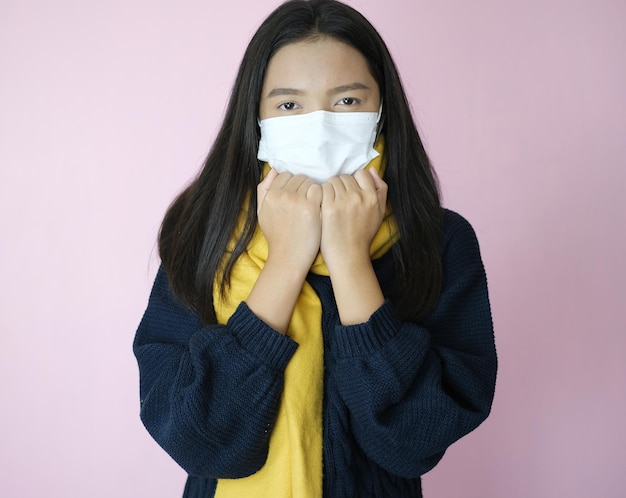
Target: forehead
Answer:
pixel 321 61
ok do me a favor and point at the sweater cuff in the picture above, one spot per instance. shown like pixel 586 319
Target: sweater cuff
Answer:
pixel 260 339
pixel 366 338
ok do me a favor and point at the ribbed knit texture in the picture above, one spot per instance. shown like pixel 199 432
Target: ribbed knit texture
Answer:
pixel 396 393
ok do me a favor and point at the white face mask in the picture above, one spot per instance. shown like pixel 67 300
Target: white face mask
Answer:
pixel 319 144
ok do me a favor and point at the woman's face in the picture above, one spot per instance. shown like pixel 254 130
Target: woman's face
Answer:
pixel 319 74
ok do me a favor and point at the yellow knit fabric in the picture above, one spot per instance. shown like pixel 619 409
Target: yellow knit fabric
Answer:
pixel 294 463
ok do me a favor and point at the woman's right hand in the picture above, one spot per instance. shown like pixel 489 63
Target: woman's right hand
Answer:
pixel 289 214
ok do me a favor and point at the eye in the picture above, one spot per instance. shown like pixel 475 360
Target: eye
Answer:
pixel 349 101
pixel 288 106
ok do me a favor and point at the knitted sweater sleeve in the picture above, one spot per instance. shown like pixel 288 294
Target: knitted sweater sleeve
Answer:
pixel 412 389
pixel 209 394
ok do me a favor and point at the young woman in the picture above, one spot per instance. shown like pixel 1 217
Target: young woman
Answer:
pixel 320 325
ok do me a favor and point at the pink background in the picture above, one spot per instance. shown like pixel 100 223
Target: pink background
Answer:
pixel 107 109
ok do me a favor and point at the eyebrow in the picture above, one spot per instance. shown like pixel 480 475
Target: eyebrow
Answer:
pixel 276 92
pixel 348 88
pixel 284 91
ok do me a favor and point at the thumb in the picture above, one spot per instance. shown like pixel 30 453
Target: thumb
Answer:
pixel 380 185
pixel 264 186
pixel 269 178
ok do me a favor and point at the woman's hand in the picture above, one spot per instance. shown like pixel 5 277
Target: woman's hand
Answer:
pixel 289 214
pixel 353 208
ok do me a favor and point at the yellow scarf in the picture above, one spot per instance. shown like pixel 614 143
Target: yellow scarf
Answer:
pixel 294 463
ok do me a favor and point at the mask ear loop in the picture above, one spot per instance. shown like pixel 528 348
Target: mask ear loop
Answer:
pixel 379 120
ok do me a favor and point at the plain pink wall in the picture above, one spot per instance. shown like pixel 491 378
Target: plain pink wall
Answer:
pixel 107 109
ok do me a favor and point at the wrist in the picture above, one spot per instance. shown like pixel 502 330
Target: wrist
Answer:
pixel 290 266
pixel 345 262
pixel 357 290
pixel 275 293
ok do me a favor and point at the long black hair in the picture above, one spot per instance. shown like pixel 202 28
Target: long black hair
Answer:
pixel 198 226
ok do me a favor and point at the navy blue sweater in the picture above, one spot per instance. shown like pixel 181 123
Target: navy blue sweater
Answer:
pixel 396 393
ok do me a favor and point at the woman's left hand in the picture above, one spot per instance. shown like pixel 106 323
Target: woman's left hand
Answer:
pixel 353 208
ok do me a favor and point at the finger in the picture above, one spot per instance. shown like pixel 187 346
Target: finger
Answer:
pixel 328 192
pixel 298 183
pixel 302 184
pixel 281 180
pixel 364 180
pixel 378 181
pixel 269 178
pixel 349 182
pixel 314 193
pixel 380 185
pixel 338 183
pixel 264 186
